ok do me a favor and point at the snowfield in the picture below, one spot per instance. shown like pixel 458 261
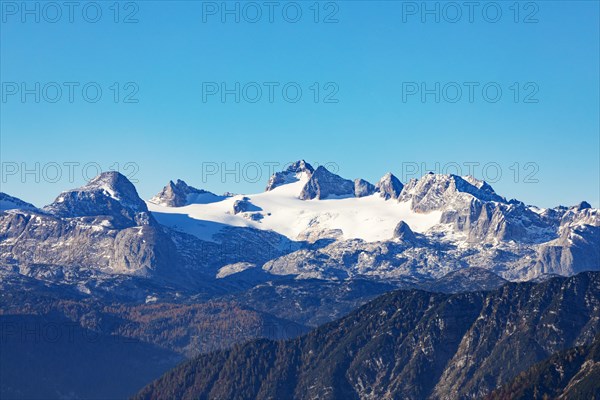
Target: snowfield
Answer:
pixel 370 218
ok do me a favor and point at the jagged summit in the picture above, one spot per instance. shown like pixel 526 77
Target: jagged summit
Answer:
pixel 109 194
pixel 8 202
pixel 111 184
pixel 320 183
pixel 363 188
pixel 102 227
pixel 484 189
pixel 389 187
pixel 353 232
pixel 291 174
pixel 584 205
pixel 323 184
pixel 179 194
pixel 300 166
pixel 433 191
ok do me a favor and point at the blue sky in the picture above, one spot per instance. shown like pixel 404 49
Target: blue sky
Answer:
pixel 377 52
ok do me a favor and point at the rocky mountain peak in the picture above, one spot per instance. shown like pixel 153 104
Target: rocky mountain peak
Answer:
pixel 118 187
pixel 110 194
pixel 435 191
pixel 403 232
pixel 290 175
pixel 323 184
pixel 389 186
pixel 363 188
pixel 484 190
pixel 584 205
pixel 179 194
pixel 300 166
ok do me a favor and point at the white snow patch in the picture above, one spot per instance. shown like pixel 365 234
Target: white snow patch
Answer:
pixel 151 299
pixel 370 218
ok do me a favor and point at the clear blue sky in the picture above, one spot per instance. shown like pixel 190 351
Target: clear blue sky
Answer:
pixel 369 54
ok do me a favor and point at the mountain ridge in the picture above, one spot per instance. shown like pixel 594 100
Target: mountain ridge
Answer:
pixel 381 349
pixel 422 230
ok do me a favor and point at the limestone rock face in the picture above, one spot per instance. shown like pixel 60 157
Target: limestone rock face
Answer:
pixel 389 186
pixel 103 226
pixel 104 229
pixel 403 232
pixel 363 188
pixel 435 191
pixel 290 174
pixel 109 195
pixel 323 184
pixel 179 194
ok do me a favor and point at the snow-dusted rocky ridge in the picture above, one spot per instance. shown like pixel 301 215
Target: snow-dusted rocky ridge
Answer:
pixel 102 228
pixel 447 223
pixel 309 223
pixel 299 210
pixel 10 203
pixel 178 194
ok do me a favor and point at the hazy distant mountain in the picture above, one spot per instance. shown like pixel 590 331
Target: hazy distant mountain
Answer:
pixel 50 357
pixel 466 280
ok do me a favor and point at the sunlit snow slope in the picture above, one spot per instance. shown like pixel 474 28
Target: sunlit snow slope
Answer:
pixel 370 218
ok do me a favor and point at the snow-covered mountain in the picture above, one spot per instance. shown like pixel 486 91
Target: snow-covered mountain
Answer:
pixel 110 195
pixel 300 205
pixel 101 228
pixel 309 223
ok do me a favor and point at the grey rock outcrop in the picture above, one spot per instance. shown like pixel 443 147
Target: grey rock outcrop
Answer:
pixel 244 205
pixel 363 188
pixel 323 184
pixel 577 247
pixel 489 221
pixel 404 233
pixel 474 209
pixel 180 194
pixel 290 174
pixel 389 187
pixel 435 191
